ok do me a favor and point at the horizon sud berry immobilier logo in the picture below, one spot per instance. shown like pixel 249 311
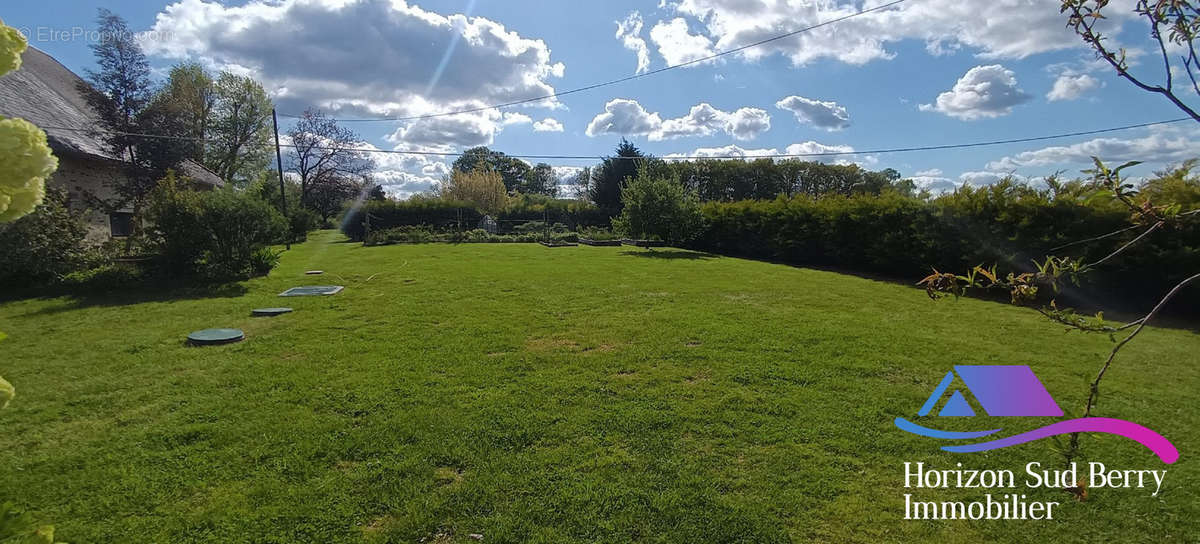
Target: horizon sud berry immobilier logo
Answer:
pixel 1014 391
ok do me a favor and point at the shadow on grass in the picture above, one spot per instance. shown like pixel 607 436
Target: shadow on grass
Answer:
pixel 134 295
pixel 671 254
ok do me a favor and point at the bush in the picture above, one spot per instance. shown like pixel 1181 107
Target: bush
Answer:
pixel 658 207
pixel 213 235
pixel 103 278
pixel 264 260
pixel 42 247
pixel 301 221
pixel 904 237
pixel 421 235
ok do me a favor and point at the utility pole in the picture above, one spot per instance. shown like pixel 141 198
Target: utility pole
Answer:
pixel 279 166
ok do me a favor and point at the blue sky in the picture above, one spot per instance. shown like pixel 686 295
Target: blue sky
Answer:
pixel 925 72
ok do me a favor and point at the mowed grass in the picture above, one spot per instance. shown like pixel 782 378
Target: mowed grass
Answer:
pixel 574 394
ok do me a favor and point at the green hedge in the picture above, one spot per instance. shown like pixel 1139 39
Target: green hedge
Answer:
pixel 422 235
pixel 904 237
pixel 447 215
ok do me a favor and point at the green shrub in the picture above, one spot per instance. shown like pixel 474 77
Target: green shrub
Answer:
pixel 421 235
pixel 213 235
pixel 658 207
pixel 264 260
pixel 42 247
pixel 103 278
pixel 904 237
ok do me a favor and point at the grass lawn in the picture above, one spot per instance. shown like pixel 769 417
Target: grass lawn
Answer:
pixel 580 394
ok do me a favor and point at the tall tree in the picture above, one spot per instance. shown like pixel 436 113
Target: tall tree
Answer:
pixel 481 187
pixel 658 206
pixel 190 94
pixel 611 174
pixel 240 141
pixel 328 197
pixel 542 181
pixel 120 89
pixel 323 151
pixel 515 172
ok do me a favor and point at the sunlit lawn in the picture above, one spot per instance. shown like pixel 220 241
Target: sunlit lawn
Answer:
pixel 573 394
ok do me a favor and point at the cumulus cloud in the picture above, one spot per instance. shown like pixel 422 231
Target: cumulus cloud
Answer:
pixel 1070 87
pixel 628 118
pixel 1015 28
pixel 983 92
pixel 451 132
pixel 629 31
pixel 368 57
pixel 1157 147
pixel 932 172
pixel 810 150
pixel 677 44
pixel 548 124
pixel 821 114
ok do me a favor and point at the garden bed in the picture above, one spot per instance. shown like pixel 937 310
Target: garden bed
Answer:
pixel 644 243
pixel 590 242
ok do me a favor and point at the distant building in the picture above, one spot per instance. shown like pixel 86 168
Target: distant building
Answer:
pixel 46 93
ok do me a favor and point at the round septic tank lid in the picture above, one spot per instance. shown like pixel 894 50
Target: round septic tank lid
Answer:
pixel 269 312
pixel 212 337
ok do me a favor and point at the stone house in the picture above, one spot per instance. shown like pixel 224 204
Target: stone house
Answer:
pixel 46 93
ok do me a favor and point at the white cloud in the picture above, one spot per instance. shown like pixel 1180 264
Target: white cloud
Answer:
pixel 934 184
pixel 1070 87
pixel 677 44
pixel 980 179
pixel 548 124
pixel 359 57
pixel 450 132
pixel 511 118
pixel 932 172
pixel 811 151
pixel 983 92
pixel 821 114
pixel 629 31
pixel 628 118
pixel 996 29
pixel 405 175
pixel 1161 146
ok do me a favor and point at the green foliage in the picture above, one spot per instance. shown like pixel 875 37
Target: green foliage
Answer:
pixel 109 277
pixel 264 260
pixel 424 235
pixel 25 163
pixel 659 208
pixel 19 527
pixel 514 173
pixel 43 246
pixel 12 44
pixel 212 234
pixel 435 213
pixel 604 188
pixel 7 392
pixel 1006 224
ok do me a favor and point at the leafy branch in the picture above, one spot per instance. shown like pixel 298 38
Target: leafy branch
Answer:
pixel 1052 272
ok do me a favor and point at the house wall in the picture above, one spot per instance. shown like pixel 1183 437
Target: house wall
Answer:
pixel 84 176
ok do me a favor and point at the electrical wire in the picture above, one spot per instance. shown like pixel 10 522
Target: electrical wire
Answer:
pixel 940 147
pixel 623 79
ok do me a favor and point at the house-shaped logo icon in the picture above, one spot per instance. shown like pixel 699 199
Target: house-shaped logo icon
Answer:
pixel 1001 390
pixel 1014 391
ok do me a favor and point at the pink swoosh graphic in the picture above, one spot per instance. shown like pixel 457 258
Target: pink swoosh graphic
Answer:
pixel 1128 429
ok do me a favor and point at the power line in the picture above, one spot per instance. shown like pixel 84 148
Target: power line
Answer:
pixel 623 79
pixel 881 151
